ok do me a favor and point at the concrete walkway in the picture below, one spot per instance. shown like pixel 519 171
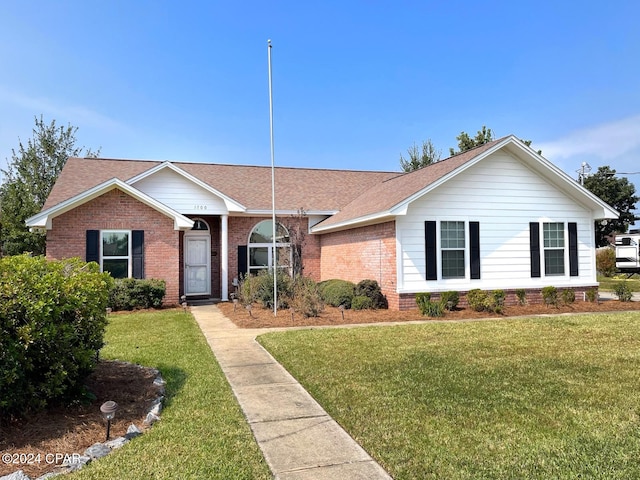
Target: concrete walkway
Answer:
pixel 299 440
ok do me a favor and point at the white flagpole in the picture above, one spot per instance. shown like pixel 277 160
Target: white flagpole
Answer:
pixel 273 192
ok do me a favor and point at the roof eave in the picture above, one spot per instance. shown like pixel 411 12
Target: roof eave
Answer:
pixel 354 223
pixel 43 220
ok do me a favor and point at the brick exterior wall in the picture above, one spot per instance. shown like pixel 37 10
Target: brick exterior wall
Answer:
pixel 116 210
pixel 240 228
pixel 362 253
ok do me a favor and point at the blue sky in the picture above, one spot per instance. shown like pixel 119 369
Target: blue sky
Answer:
pixel 355 83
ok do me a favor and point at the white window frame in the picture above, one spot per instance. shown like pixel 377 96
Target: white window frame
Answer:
pixel 128 257
pixel 465 249
pixel 269 246
pixel 556 248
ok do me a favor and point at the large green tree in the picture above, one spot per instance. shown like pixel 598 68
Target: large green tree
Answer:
pixel 617 192
pixel 28 180
pixel 419 158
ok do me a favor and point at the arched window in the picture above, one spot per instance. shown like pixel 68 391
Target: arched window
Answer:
pixel 261 255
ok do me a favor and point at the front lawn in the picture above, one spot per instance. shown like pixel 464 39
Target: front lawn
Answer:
pixel 202 433
pixel 552 397
pixel 607 283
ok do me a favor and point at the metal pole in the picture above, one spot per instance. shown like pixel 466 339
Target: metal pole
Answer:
pixel 273 192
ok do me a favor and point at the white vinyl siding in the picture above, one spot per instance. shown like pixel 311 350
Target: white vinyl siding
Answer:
pixel 503 195
pixel 181 194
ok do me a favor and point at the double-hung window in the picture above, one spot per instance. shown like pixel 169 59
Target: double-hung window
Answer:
pixel 554 248
pixel 452 246
pixel 115 253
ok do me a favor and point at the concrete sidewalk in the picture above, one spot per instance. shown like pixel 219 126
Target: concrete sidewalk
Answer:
pixel 297 437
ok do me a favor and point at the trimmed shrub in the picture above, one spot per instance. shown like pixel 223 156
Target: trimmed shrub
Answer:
pixel 550 296
pixel 521 294
pixel 477 299
pixel 259 288
pixel 132 293
pixel 568 297
pixel 360 302
pixel 371 290
pixel 337 292
pixel 497 304
pixel 592 295
pixel 52 322
pixel 606 261
pixel 306 297
pixel 623 291
pixel 449 300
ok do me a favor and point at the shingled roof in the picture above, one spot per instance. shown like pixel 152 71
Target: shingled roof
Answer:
pixel 310 189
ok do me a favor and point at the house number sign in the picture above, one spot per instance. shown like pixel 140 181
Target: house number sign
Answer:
pixel 199 207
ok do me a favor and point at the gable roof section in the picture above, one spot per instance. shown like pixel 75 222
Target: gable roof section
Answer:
pixel 243 188
pixel 44 218
pixel 231 204
pixel 392 197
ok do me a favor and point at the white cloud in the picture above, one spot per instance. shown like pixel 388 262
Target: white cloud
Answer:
pixel 606 141
pixel 77 114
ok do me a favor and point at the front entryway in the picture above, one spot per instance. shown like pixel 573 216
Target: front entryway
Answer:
pixel 197 263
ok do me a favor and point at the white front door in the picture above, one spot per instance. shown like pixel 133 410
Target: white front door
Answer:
pixel 197 264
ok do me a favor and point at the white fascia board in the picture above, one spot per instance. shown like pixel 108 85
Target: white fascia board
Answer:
pixel 43 219
pixel 261 213
pixel 231 204
pixel 354 223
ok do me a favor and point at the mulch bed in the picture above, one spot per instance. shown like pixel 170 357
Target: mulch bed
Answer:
pixel 68 430
pixel 260 317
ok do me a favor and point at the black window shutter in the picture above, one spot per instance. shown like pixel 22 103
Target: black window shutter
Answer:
pixel 137 252
pixel 573 249
pixel 534 241
pixel 474 241
pixel 93 246
pixel 242 260
pixel 430 250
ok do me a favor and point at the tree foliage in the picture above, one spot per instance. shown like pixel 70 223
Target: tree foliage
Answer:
pixel 617 192
pixel 28 180
pixel 419 158
pixel 465 142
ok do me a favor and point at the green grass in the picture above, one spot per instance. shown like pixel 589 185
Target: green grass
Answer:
pixel 536 398
pixel 607 283
pixel 202 434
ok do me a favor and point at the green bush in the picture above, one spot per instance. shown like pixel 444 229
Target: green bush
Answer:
pixel 568 296
pixel 259 288
pixel 623 291
pixel 521 294
pixel 477 299
pixel 497 301
pixel 52 322
pixel 550 296
pixel 360 302
pixel 371 289
pixel 427 307
pixel 449 300
pixel 306 297
pixel 133 293
pixel 606 261
pixel 592 295
pixel 337 292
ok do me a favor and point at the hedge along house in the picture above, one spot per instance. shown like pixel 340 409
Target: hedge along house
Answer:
pixel 499 216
